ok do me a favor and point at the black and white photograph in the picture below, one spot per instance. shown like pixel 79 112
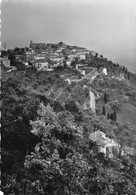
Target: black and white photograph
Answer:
pixel 68 97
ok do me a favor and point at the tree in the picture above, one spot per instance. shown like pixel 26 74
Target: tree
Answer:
pixel 96 55
pixel 18 108
pixel 12 58
pixel 114 116
pixel 65 64
pixel 101 56
pixel 126 70
pixel 60 161
pixel 71 106
pixel 108 115
pixel 103 110
pixel 73 63
pixel 65 163
pixel 105 97
pixel 128 76
pixel 20 66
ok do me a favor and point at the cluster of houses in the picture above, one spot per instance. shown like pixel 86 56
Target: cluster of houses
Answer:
pixel 46 56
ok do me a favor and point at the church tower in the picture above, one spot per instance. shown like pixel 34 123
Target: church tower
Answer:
pixel 31 42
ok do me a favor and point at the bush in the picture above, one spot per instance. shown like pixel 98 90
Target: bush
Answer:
pixel 35 85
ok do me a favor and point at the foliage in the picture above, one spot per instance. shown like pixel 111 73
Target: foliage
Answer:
pixel 18 108
pixel 114 116
pixel 65 163
pixel 103 110
pixel 105 97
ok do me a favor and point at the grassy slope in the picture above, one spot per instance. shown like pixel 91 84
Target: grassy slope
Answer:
pixel 128 114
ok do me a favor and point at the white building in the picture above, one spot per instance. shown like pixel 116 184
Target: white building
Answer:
pixel 82 56
pixel 26 64
pixel 6 62
pixel 28 53
pixel 68 62
pixel 92 53
pixel 83 72
pixel 41 64
pixel 74 50
pixel 105 71
pixel 104 143
pixel 72 56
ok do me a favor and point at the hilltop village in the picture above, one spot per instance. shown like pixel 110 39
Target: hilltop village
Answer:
pixel 54 94
pixel 46 57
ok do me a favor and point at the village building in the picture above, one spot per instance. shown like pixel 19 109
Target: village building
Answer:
pixel 68 62
pixel 82 56
pixel 53 55
pixel 73 50
pixel 72 56
pixel 105 71
pixel 92 53
pixel 6 62
pixel 35 46
pixel 104 143
pixel 26 64
pixel 41 64
pixel 83 72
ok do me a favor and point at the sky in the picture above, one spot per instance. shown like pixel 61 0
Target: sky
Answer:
pixel 105 26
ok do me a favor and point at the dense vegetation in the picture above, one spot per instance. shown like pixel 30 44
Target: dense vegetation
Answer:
pixel 45 140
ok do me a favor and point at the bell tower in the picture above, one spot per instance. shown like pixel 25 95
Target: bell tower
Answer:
pixel 31 42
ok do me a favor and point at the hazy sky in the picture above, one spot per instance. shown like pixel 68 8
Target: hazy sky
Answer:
pixel 105 26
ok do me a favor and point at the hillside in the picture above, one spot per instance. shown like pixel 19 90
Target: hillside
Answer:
pixel 69 127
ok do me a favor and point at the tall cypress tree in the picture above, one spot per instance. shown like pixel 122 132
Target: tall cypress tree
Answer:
pixel 128 76
pixel 103 110
pixel 105 97
pixel 114 116
pixel 108 115
pixel 126 70
pixel 96 55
